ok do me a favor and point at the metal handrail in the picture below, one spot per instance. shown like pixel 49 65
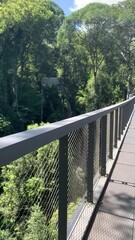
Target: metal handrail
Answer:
pixel 84 141
pixel 17 145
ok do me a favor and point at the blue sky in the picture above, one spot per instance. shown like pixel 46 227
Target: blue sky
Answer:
pixel 65 5
pixel 69 5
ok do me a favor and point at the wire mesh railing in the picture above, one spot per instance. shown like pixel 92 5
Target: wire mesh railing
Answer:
pixel 29 197
pixel 48 174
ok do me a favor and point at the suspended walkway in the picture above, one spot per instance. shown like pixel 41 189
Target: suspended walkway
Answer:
pixel 116 214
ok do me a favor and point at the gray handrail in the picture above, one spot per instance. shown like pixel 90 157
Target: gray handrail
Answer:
pixel 17 145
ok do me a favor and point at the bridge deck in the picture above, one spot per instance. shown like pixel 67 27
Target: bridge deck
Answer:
pixel 116 216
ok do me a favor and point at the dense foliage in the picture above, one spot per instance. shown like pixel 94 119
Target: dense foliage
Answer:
pixel 53 67
pixel 27 55
pixel 90 52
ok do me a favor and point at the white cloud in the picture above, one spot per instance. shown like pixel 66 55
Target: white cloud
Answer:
pixel 81 3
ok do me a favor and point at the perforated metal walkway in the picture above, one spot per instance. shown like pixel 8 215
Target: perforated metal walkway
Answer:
pixel 115 219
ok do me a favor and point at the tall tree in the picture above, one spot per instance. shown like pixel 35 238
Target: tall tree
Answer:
pixel 27 54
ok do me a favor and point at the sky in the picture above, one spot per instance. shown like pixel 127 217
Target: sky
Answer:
pixel 70 5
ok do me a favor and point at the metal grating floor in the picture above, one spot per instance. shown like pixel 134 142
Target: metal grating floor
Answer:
pixel 115 219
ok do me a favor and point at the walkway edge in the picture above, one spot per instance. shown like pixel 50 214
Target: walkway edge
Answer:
pixel 102 184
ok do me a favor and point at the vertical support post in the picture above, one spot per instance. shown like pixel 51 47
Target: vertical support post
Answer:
pixel 90 161
pixel 103 145
pixel 133 106
pixel 121 125
pixel 63 187
pixel 131 109
pixel 116 129
pixel 129 105
pixel 111 135
pixel 126 114
pixel 123 118
pixel 119 133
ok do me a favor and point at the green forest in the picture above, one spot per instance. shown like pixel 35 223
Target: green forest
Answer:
pixel 90 52
pixel 54 67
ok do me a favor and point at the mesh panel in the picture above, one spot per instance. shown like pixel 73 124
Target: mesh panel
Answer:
pixel 78 209
pixel 77 156
pixel 29 199
pixel 82 222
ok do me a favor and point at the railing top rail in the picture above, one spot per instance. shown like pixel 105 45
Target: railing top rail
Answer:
pixel 17 145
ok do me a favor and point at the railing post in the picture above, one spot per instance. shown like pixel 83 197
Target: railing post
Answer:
pixel 128 112
pixel 111 135
pixel 123 118
pixel 122 115
pixel 120 121
pixel 126 115
pixel 103 145
pixel 90 161
pixel 116 129
pixel 63 187
pixel 132 107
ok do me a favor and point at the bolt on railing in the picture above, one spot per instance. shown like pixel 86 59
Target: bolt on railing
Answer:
pixel 56 181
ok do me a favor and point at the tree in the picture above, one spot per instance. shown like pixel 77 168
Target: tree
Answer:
pixel 27 55
pixel 36 225
pixel 89 30
pixel 125 29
